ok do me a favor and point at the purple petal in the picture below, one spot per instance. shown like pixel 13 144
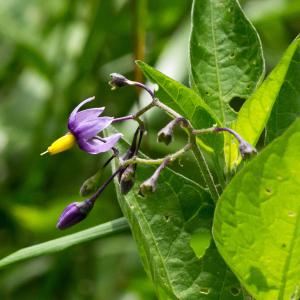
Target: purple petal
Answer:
pixel 88 114
pixel 95 146
pixel 72 118
pixel 87 130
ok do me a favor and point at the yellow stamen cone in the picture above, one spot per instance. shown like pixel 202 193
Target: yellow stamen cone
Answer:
pixel 62 144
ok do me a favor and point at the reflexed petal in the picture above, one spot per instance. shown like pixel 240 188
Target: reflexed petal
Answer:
pixel 95 146
pixel 87 130
pixel 88 114
pixel 72 118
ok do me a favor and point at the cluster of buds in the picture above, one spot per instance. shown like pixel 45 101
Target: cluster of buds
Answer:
pixel 84 127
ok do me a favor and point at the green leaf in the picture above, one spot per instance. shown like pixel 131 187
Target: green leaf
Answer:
pixel 281 87
pixel 112 227
pixel 225 54
pixel 287 103
pixel 162 225
pixel 257 220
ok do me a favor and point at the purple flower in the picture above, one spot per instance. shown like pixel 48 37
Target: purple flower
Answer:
pixel 74 213
pixel 83 129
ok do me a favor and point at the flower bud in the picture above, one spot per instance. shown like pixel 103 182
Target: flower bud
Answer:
pixel 90 185
pixel 246 149
pixel 147 187
pixel 118 80
pixel 165 135
pixel 74 213
pixel 127 179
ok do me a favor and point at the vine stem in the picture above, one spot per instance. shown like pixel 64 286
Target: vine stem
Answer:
pixel 204 169
pixel 158 161
pixel 119 80
pixel 208 178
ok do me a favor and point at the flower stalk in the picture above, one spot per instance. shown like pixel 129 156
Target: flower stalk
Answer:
pixel 245 148
pixel 149 186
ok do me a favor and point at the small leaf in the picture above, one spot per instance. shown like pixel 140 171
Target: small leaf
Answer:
pixel 112 227
pixel 257 220
pixel 280 87
pixel 225 54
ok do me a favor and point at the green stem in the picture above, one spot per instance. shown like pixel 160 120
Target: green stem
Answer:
pixel 120 80
pixel 167 109
pixel 158 161
pixel 207 176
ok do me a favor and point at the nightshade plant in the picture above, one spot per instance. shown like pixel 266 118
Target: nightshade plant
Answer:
pixel 234 234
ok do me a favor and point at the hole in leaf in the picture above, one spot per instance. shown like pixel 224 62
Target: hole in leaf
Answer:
pixel 269 191
pixel 205 290
pixel 236 103
pixel 279 178
pixel 207 93
pixel 235 291
pixel 232 55
pixel 292 214
pixel 167 218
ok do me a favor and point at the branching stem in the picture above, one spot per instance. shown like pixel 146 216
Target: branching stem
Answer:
pixel 119 80
pixel 158 161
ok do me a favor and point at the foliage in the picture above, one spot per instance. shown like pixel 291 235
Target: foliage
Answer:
pixel 56 54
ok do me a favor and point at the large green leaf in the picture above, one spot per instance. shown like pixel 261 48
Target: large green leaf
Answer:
pixel 65 242
pixel 162 225
pixel 281 87
pixel 257 220
pixel 225 54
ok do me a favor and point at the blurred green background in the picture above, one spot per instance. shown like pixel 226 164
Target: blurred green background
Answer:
pixel 53 55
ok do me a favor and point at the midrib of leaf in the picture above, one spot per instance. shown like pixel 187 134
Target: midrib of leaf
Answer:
pixel 216 63
pixel 288 259
pixel 155 244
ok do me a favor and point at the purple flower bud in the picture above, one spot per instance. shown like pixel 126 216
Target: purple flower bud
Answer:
pixel 118 80
pixel 74 213
pixel 246 149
